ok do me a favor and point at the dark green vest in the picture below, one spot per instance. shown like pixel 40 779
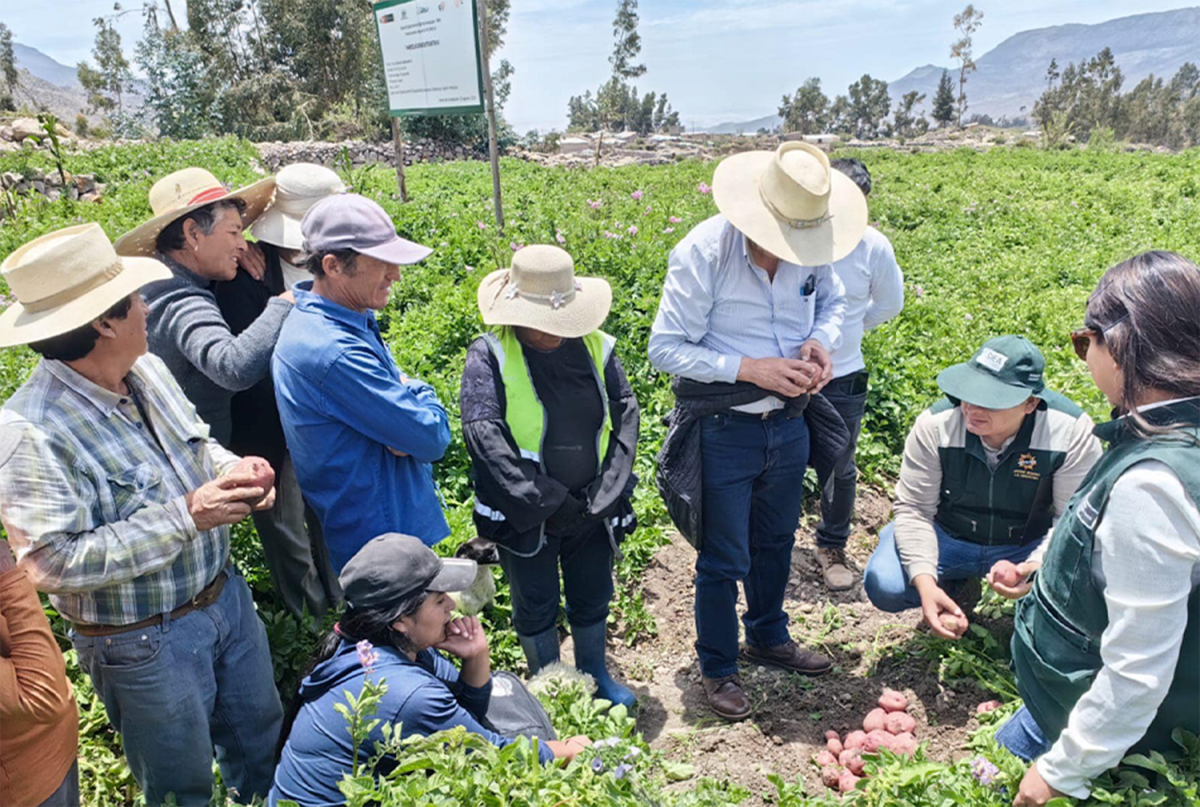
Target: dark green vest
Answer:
pixel 990 507
pixel 1056 644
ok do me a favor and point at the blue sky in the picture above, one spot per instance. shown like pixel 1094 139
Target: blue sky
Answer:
pixel 718 60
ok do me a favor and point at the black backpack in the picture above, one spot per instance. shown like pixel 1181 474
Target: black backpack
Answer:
pixel 515 712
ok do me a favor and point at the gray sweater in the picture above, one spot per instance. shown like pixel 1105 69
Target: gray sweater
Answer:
pixel 189 334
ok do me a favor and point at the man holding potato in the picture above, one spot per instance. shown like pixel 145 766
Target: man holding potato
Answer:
pixel 986 472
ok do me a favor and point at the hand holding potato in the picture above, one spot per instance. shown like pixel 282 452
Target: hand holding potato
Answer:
pixel 1011 580
pixel 941 613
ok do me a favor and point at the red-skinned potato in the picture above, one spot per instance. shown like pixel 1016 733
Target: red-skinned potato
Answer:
pixel 874 721
pixel 264 475
pixel 893 701
pixel 825 759
pixel 987 706
pixel 847 782
pixel 875 740
pixel 851 759
pixel 904 744
pixel 1006 573
pixel 834 746
pixel 855 739
pixel 899 723
pixel 831 774
pixel 832 735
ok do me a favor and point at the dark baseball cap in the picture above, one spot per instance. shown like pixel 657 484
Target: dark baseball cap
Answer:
pixel 350 221
pixel 1002 374
pixel 393 566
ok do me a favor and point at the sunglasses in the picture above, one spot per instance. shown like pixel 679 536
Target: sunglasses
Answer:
pixel 1081 339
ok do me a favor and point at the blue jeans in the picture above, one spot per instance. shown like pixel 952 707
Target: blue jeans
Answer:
pixel 839 488
pixel 886 582
pixel 753 478
pixel 587 581
pixel 1022 736
pixel 177 690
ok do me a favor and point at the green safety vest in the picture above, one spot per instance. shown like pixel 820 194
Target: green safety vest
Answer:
pixel 1058 625
pixel 523 411
pixel 1014 503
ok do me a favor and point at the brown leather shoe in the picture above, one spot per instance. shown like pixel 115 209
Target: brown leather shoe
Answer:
pixel 835 570
pixel 790 656
pixel 727 698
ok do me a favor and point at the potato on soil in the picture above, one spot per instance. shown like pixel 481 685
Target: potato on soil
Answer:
pixel 987 706
pixel 874 720
pixel 904 744
pixel 834 746
pixel 851 759
pixel 899 723
pixel 855 739
pixel 832 735
pixel 831 774
pixel 847 782
pixel 893 701
pixel 825 759
pixel 875 740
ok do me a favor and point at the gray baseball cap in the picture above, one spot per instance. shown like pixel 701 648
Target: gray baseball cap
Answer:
pixel 350 221
pixel 393 566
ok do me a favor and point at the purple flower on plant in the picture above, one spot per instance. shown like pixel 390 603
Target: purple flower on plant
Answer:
pixel 674 219
pixel 559 237
pixel 514 246
pixel 368 656
pixel 632 229
pixel 984 770
pixel 668 230
pixel 595 204
pixel 647 213
pixel 919 291
pixel 622 770
pixel 704 187
pixel 637 196
pixel 597 765
pixel 481 225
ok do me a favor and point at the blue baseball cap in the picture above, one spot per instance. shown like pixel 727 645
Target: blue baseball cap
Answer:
pixel 350 221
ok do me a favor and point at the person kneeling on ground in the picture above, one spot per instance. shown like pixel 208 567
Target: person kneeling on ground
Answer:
pixel 398 616
pixel 1106 646
pixel 986 471
pixel 552 426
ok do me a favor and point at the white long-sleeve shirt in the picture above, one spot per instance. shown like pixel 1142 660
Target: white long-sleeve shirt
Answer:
pixel 1146 556
pixel 874 294
pixel 718 307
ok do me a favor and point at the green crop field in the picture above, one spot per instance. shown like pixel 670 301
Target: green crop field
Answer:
pixel 1008 241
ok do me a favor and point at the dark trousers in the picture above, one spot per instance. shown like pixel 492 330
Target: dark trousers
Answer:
pixel 67 794
pixel 753 477
pixel 586 558
pixel 294 548
pixel 848 395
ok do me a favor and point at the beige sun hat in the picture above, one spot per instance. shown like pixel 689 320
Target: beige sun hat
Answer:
pixel 178 194
pixel 791 203
pixel 540 291
pixel 66 279
pixel 297 188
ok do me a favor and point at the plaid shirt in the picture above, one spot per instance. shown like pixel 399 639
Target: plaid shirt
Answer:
pixel 93 495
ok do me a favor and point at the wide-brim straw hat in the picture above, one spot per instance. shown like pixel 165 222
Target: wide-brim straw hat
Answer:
pixel 66 279
pixel 540 291
pixel 178 194
pixel 791 203
pixel 297 188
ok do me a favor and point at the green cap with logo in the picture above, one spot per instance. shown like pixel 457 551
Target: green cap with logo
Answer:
pixel 1002 374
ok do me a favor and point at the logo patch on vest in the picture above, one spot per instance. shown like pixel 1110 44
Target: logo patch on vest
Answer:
pixel 1025 468
pixel 991 360
pixel 1088 513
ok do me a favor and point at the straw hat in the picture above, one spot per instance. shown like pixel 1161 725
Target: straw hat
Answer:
pixel 178 194
pixel 66 279
pixel 791 203
pixel 540 291
pixel 297 188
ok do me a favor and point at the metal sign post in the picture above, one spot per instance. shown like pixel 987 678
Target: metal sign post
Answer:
pixel 493 150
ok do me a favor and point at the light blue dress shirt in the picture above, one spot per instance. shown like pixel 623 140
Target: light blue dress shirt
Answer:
pixel 874 294
pixel 718 307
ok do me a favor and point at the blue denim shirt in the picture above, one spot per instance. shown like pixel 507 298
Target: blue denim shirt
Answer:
pixel 344 404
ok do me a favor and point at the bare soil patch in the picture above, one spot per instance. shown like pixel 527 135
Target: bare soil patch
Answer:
pixel 793 712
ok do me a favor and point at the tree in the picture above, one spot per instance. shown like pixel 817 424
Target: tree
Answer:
pixel 966 23
pixel 108 81
pixel 841 117
pixel 807 111
pixel 179 96
pixel 943 101
pixel 907 124
pixel 869 106
pixel 628 42
pixel 8 69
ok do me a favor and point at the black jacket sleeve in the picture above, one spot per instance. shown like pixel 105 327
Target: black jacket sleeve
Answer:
pixel 503 478
pixel 606 492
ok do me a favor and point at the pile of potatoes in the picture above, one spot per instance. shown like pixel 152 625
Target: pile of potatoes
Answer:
pixel 888 726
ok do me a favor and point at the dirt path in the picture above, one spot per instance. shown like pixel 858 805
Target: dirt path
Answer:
pixel 793 712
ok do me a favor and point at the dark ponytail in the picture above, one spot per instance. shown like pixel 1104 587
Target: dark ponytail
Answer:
pixel 1147 312
pixel 372 624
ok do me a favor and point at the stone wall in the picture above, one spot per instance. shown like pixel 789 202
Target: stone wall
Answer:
pixel 277 154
